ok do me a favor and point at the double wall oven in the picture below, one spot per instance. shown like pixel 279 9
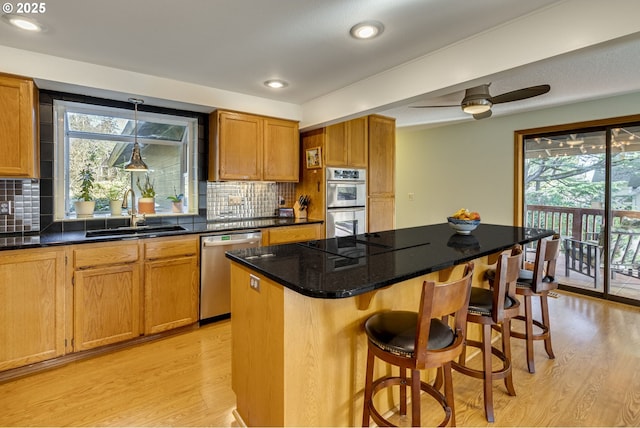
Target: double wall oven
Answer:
pixel 346 201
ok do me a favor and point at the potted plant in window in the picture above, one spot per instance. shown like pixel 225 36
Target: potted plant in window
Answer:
pixel 85 205
pixel 147 201
pixel 176 200
pixel 114 193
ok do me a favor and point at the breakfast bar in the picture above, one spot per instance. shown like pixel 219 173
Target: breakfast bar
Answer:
pixel 298 345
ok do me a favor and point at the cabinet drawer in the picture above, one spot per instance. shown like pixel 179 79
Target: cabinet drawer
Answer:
pixel 283 235
pixel 105 254
pixel 169 247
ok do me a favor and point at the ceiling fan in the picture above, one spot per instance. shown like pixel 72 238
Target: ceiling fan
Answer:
pixel 477 101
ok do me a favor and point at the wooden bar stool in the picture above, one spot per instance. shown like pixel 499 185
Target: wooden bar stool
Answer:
pixel 416 341
pixel 494 308
pixel 538 282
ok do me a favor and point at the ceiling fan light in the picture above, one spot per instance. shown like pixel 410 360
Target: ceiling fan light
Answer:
pixel 476 106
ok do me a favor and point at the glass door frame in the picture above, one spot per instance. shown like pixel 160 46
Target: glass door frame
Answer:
pixel 606 126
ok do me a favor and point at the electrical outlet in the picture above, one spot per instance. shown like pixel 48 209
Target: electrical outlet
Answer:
pixel 5 208
pixel 411 195
pixel 235 200
pixel 254 282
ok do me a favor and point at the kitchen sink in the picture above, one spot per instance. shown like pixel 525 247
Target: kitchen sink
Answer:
pixel 133 231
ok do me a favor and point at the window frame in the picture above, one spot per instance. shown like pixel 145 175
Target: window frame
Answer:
pixel 62 135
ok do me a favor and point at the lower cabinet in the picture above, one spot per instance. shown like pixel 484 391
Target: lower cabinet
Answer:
pixel 32 292
pixel 106 294
pixel 299 233
pixel 171 279
pixel 106 305
pixel 381 214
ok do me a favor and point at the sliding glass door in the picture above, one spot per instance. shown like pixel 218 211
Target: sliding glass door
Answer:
pixel 585 184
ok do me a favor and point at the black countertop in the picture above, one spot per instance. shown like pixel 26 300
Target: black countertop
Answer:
pixel 344 267
pixel 22 241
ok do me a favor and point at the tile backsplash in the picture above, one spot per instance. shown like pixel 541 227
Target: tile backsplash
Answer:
pixel 23 197
pixel 241 199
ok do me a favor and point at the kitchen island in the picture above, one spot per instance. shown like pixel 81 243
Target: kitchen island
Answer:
pixel 298 347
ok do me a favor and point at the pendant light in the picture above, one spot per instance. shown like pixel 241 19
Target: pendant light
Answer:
pixel 136 163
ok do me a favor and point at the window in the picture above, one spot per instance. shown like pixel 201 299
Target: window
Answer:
pixel 101 139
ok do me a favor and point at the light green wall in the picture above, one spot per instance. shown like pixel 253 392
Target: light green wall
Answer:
pixel 470 164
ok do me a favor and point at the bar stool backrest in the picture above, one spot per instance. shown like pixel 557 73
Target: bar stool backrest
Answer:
pixel 544 269
pixel 504 283
pixel 441 301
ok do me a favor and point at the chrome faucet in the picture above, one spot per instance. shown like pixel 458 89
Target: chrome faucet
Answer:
pixel 132 211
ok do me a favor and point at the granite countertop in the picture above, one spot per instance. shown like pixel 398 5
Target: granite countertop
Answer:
pixel 349 266
pixel 44 239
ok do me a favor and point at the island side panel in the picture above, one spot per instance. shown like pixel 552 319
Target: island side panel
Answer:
pixel 257 327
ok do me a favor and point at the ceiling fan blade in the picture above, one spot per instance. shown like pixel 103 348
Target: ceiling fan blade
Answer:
pixel 521 94
pixel 483 115
pixel 452 105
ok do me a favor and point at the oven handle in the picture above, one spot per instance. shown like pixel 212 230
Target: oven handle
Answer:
pixel 348 209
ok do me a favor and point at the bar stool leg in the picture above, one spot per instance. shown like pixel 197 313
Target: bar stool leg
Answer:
pixel 544 305
pixel 415 398
pixel 488 377
pixel 403 391
pixel 448 391
pixel 368 389
pixel 528 321
pixel 506 349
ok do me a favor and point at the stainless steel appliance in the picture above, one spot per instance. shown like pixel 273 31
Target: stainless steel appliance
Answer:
pixel 215 278
pixel 346 202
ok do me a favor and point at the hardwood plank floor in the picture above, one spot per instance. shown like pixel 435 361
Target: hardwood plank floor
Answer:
pixel 185 380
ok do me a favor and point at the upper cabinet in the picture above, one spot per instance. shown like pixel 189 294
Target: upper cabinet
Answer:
pixel 346 143
pixel 19 128
pixel 382 155
pixel 248 147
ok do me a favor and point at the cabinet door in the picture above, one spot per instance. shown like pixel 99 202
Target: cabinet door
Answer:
pixel 240 140
pixel 31 306
pixel 281 152
pixel 382 131
pixel 170 293
pixel 357 141
pixel 381 214
pixel 19 128
pixel 335 145
pixel 106 305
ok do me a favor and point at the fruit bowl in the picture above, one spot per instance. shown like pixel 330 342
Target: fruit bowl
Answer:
pixel 463 227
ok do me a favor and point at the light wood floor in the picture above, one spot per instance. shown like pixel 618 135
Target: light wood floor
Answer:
pixel 185 380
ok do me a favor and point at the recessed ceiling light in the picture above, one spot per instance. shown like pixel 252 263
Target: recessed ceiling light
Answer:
pixel 276 84
pixel 366 30
pixel 24 23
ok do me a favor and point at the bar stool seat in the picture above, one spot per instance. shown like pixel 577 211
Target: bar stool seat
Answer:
pixel 416 341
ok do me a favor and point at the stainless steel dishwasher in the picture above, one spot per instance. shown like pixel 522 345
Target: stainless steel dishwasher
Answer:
pixel 215 278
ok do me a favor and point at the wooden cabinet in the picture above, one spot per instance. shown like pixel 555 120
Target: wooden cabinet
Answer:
pixel 171 283
pixel 248 147
pixel 281 150
pixel 381 184
pixel 107 294
pixel 382 156
pixel 299 233
pixel 19 127
pixel 346 143
pixel 381 214
pixel 32 306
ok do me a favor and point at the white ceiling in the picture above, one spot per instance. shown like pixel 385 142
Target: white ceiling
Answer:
pixel 235 45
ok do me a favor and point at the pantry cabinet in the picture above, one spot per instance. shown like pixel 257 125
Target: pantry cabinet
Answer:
pixel 171 283
pixel 19 128
pixel 107 294
pixel 249 147
pixel 381 177
pixel 346 144
pixel 32 292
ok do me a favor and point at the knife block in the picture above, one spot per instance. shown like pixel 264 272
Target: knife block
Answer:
pixel 299 213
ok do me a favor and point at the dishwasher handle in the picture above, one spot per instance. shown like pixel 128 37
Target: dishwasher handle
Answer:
pixel 220 242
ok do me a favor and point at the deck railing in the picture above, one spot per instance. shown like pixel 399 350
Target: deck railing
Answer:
pixel 583 224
